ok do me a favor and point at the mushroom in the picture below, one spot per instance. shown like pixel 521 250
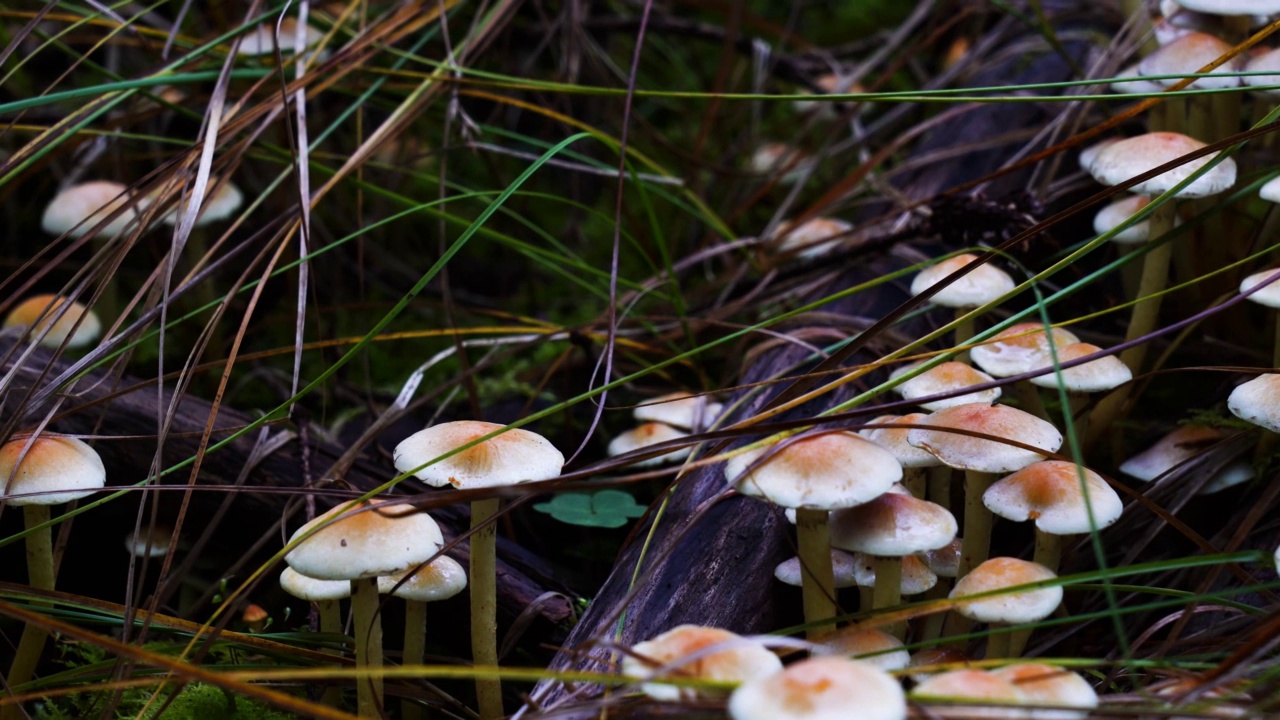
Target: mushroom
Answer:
pixel 681 410
pixel 824 688
pixel 358 542
pixel 39 471
pixel 843 566
pixel 869 645
pixel 78 209
pixel 1054 686
pixel 945 378
pixel 462 455
pixel 1098 375
pixel 810 239
pixel 696 652
pixel 438 580
pixel 1006 608
pixel 51 320
pixel 914 461
pixel 1258 401
pixel 983 696
pixel 1014 351
pixel 983 284
pixel 644 435
pixel 324 593
pixel 1268 295
pixel 815 474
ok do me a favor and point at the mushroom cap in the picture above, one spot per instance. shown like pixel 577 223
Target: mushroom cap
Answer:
pixel 812 238
pixel 1186 55
pixel 1270 191
pixel 868 645
pixel 1050 493
pixel 61 469
pixel 895 440
pixel 260 41
pixel 1258 401
pixel 843 565
pixel 1090 153
pixel 1232 7
pixel 159 536
pixel 516 456
pixel 892 525
pixel 1269 295
pixel 1100 375
pixel 1170 451
pixel 1264 62
pixel 315 590
pixel 739 659
pixel 680 409
pixel 943 561
pixel 37 311
pixel 77 209
pixel 825 471
pixel 1117 212
pixel 369 541
pixel 220 205
pixel 971 686
pixel 821 688
pixel 774 157
pixel 1017 348
pixel 1011 608
pixel 1049 685
pixel 1129 81
pixel 1126 159
pixel 1232 474
pixel 644 435
pixel 965 452
pixel 943 378
pixel 439 579
pixel 916 576
pixel 982 285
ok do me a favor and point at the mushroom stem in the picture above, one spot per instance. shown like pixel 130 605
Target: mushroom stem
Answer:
pixel 415 649
pixel 1028 398
pixel 818 585
pixel 998 642
pixel 933 623
pixel 964 332
pixel 940 485
pixel 913 478
pixel 888 589
pixel 41 577
pixel 1048 550
pixel 1275 347
pixel 368 632
pixel 976 543
pixel 484 605
pixel 330 623
pixel 1155 273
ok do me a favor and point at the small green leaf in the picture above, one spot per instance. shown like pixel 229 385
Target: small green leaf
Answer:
pixel 603 508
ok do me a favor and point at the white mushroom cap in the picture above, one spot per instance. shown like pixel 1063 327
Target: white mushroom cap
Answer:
pixel 1129 81
pixel 680 409
pixel 1024 606
pixel 1017 348
pixel 1126 159
pixel 1258 401
pixel 916 577
pixel 1269 295
pixel 1265 62
pixel 1234 473
pixel 1232 7
pixel 1048 685
pixel 965 452
pixel 825 688
pixel 647 434
pixel 943 561
pixel 1189 53
pixel 980 286
pixel 1170 451
pixel 220 205
pixel 869 645
pixel 260 40
pixel 734 658
pixel 942 378
pixel 1117 212
pixel 160 538
pixel 1270 191
pixel 771 158
pixel 812 238
pixel 79 208
pixel 1100 375
pixel 61 469
pixel 843 565
pixel 895 440
pixel 1050 493
pixel 516 456
pixel 309 588
pixel 820 472
pixel 971 687
pixel 369 541
pixel 892 525
pixel 39 310
pixel 440 579
pixel 1090 153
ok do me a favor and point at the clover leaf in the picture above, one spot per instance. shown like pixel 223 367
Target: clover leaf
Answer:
pixel 602 508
